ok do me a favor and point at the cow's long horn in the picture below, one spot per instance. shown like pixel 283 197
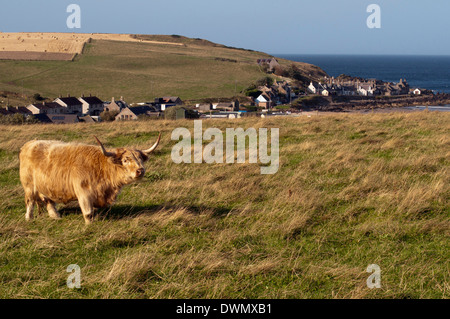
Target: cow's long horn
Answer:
pixel 151 149
pixel 103 148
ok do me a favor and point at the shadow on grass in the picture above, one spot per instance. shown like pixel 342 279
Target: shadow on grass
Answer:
pixel 118 212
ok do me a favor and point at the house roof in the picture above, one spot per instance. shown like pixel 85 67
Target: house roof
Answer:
pixel 263 98
pixel 365 86
pixel 86 119
pixel 169 99
pixel 91 100
pixel 4 111
pixel 139 110
pixel 42 118
pixel 70 100
pixel 13 110
pixel 266 60
pixel 46 105
pixel 63 118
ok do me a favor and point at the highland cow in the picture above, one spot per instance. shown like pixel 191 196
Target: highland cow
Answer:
pixel 56 172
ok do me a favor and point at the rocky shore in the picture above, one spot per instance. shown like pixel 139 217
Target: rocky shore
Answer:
pixel 364 103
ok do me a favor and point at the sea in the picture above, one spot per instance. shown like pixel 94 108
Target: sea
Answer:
pixel 428 72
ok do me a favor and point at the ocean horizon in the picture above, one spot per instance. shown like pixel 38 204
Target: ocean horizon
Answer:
pixel 430 72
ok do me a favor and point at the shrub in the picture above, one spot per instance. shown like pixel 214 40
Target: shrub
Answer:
pixel 108 116
pixel 252 91
pixel 17 119
pixel 37 97
pixel 267 80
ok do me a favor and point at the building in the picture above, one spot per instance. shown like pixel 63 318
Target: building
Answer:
pixel 57 118
pixel 314 88
pixel 63 118
pixel 11 110
pixel 403 87
pixel 346 90
pixel 205 107
pixel 180 114
pixel 265 100
pixel 87 119
pixel 72 104
pixel 365 90
pixel 46 108
pixel 132 113
pixel 226 106
pixel 224 115
pixel 91 105
pixel 272 63
pixel 116 106
pixel 167 101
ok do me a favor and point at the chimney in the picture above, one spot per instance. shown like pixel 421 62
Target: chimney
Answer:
pixel 112 99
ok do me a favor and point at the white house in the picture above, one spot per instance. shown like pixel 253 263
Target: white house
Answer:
pixel 417 92
pixel 365 90
pixel 313 88
pixel 72 104
pixel 46 108
pixel 263 100
pixel 91 105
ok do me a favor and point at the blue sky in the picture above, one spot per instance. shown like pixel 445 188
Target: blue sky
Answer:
pixel 282 26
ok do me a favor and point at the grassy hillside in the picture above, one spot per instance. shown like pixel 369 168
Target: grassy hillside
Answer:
pixel 140 71
pixel 352 190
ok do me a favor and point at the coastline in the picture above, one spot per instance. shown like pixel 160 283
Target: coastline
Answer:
pixel 364 104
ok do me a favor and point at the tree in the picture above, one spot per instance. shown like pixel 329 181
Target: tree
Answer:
pixel 267 80
pixel 37 97
pixel 252 91
pixel 108 116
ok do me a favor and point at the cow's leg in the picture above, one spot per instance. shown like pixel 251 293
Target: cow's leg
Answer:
pixel 30 209
pixel 29 202
pixel 52 212
pixel 87 209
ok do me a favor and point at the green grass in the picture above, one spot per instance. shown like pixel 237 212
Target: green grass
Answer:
pixel 352 190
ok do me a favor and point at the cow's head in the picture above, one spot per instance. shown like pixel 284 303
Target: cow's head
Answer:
pixel 131 160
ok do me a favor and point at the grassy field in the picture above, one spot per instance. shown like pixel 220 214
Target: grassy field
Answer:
pixel 140 71
pixel 352 190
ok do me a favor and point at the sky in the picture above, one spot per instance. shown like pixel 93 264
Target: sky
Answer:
pixel 415 27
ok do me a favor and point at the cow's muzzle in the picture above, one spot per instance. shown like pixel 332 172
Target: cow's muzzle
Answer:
pixel 140 172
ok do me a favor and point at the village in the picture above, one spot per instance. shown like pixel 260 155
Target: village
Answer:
pixel 272 97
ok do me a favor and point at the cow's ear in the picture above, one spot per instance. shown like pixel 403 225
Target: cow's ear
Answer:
pixel 117 158
pixel 144 157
